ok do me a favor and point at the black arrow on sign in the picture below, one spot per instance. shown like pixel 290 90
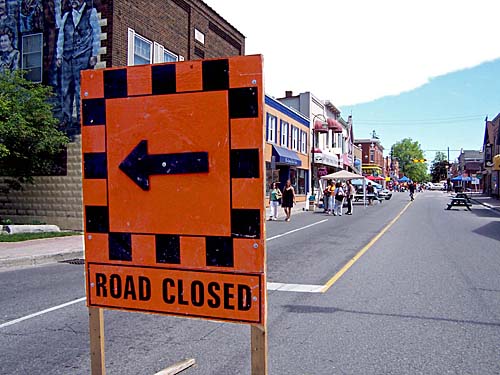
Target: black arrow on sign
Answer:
pixel 139 165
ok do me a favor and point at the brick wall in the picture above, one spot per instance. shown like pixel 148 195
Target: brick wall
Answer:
pixel 171 23
pixel 52 199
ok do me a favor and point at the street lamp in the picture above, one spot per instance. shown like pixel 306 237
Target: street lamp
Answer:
pixel 318 127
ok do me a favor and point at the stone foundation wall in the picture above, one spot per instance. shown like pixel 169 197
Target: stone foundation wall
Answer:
pixel 52 199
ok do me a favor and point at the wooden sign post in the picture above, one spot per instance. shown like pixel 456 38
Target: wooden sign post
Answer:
pixel 155 139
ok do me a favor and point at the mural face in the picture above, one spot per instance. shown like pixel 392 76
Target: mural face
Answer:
pixel 53 40
pixel 9 57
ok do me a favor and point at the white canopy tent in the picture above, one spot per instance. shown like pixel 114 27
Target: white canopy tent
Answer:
pixel 341 175
pixel 346 175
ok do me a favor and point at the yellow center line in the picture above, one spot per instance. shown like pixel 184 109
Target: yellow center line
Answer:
pixel 349 264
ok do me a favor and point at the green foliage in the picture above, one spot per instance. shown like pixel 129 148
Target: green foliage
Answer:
pixel 34 236
pixel 439 167
pixel 406 151
pixel 29 138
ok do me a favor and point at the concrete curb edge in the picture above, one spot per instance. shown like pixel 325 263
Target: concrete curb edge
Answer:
pixel 37 260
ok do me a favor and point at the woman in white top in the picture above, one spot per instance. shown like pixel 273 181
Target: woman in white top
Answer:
pixel 274 201
pixel 339 199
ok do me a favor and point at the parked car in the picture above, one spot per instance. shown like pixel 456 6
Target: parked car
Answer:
pixel 385 193
pixel 435 186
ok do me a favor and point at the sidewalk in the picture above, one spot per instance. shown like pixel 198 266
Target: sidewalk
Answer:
pixel 486 201
pixel 37 252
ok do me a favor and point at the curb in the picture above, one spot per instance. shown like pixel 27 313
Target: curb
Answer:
pixel 37 260
pixel 486 205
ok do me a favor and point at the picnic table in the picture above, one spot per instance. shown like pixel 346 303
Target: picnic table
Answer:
pixel 462 195
pixel 460 199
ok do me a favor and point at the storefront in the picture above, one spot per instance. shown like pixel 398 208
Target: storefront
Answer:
pixel 324 163
pixel 286 165
pixel 495 176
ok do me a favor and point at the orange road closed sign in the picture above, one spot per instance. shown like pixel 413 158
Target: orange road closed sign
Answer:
pixel 173 188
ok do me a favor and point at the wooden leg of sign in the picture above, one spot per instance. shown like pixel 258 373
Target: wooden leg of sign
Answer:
pixel 96 330
pixel 259 350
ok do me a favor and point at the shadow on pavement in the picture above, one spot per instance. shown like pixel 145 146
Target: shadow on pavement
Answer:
pixel 308 309
pixel 491 230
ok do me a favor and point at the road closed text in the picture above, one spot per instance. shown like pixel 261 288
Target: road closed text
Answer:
pixel 232 297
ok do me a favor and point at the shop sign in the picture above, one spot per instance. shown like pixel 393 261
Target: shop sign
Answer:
pixel 326 159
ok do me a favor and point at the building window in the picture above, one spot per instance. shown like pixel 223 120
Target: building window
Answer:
pixel 284 133
pixel 161 54
pixel 140 49
pixel 303 142
pixel 301 181
pixel 372 155
pixel 295 138
pixel 199 36
pixel 271 128
pixel 32 56
pixel 272 175
pixel 169 56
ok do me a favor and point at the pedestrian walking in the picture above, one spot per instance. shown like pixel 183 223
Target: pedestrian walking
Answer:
pixel 326 196
pixel 331 188
pixel 411 188
pixel 370 190
pixel 350 191
pixel 274 201
pixel 288 199
pixel 339 199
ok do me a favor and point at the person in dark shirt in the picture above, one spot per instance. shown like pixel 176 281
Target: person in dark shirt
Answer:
pixel 411 188
pixel 288 199
pixel 371 193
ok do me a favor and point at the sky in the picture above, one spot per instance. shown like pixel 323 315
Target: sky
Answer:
pixel 428 69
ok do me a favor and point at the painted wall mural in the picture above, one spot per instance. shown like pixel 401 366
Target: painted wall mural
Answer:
pixel 52 40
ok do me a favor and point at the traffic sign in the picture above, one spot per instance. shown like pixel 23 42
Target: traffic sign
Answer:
pixel 173 187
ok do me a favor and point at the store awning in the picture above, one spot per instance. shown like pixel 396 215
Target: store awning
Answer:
pixel 334 125
pixel 285 156
pixel 320 127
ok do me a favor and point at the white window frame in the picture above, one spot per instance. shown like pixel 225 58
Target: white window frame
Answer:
pixel 284 133
pixel 295 138
pixel 132 35
pixel 271 128
pixel 199 36
pixel 40 52
pixel 303 142
pixel 174 57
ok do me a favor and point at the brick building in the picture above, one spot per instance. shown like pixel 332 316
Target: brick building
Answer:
pixel 372 156
pixel 491 157
pixel 55 39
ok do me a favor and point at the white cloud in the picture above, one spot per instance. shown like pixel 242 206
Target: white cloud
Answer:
pixel 359 50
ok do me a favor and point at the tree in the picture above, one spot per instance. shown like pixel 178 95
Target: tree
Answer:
pixel 439 167
pixel 405 151
pixel 29 138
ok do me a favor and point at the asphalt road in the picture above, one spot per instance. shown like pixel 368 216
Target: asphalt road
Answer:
pixel 423 299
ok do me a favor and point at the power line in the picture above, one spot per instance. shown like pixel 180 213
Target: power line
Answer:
pixel 428 121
